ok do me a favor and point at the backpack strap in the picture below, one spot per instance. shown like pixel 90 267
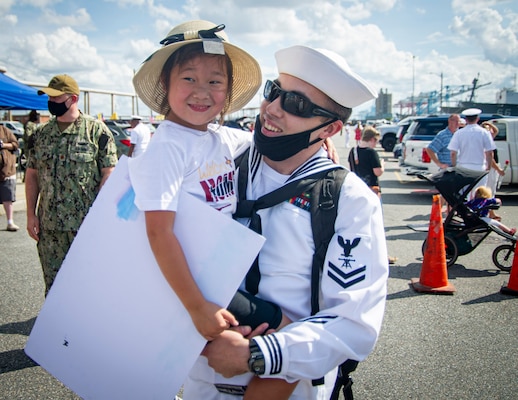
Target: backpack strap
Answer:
pixel 324 191
pixel 246 208
pixel 324 208
pixel 241 163
pixel 344 381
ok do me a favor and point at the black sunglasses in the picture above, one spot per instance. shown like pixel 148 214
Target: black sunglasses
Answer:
pixel 295 103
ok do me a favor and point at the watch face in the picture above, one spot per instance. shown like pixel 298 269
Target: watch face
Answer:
pixel 256 360
pixel 258 365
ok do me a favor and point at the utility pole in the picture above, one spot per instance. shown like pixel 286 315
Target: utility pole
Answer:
pixel 440 95
pixel 441 75
pixel 413 83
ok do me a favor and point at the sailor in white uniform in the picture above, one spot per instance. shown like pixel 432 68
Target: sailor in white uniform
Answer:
pixel 310 101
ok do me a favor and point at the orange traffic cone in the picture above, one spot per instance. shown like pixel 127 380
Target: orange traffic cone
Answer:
pixel 512 285
pixel 434 275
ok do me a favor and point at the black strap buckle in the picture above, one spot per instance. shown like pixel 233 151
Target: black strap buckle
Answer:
pixel 203 34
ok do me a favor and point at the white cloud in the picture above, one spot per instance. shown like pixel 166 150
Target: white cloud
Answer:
pixel 172 14
pixel 461 6
pixel 5 6
pixel 124 3
pixel 39 3
pixel 285 27
pixel 64 50
pixel 358 10
pixel 7 22
pixel 381 5
pixel 166 18
pixel 325 24
pixel 162 27
pixel 486 29
pixel 140 50
pixel 80 19
pixel 481 39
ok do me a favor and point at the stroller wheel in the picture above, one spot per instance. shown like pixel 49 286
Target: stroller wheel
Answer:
pixel 452 252
pixel 503 257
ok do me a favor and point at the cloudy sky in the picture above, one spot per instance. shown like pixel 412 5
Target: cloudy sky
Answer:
pixel 401 46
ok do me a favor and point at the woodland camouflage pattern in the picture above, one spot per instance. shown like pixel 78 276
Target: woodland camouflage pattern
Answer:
pixel 69 167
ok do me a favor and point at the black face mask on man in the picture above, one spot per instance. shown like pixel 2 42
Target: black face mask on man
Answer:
pixel 58 109
pixel 280 148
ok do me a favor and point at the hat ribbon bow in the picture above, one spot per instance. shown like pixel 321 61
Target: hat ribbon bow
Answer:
pixel 190 35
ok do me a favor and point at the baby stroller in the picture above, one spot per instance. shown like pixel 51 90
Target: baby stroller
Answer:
pixel 464 229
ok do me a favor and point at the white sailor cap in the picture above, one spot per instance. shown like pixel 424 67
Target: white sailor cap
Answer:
pixel 328 72
pixel 471 112
pixel 136 117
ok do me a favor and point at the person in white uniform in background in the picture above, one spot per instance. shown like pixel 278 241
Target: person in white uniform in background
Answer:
pixel 310 101
pixel 347 129
pixel 140 137
pixel 472 147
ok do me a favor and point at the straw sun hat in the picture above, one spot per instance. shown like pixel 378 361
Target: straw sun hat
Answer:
pixel 246 70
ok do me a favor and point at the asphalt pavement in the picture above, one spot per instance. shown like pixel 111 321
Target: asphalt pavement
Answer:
pixel 460 346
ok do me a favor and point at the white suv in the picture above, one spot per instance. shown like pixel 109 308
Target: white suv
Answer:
pixel 15 127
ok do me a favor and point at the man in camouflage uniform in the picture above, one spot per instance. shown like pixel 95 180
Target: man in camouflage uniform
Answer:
pixel 30 126
pixel 70 157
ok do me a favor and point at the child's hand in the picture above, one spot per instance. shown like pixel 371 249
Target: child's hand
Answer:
pixel 210 320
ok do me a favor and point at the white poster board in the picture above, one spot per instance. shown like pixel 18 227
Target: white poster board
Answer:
pixel 111 327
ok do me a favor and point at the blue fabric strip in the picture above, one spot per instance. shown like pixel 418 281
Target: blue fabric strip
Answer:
pixel 126 208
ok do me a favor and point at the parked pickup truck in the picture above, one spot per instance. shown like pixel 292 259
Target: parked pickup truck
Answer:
pixel 388 134
pixel 391 134
pixel 414 159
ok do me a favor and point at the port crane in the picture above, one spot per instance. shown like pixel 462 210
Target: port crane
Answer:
pixel 428 102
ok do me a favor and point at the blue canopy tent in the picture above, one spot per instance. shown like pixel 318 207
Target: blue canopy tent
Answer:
pixel 15 95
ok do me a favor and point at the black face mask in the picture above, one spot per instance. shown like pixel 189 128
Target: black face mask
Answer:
pixel 57 109
pixel 280 148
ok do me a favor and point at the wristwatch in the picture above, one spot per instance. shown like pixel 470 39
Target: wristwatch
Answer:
pixel 256 360
pixel 1 144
